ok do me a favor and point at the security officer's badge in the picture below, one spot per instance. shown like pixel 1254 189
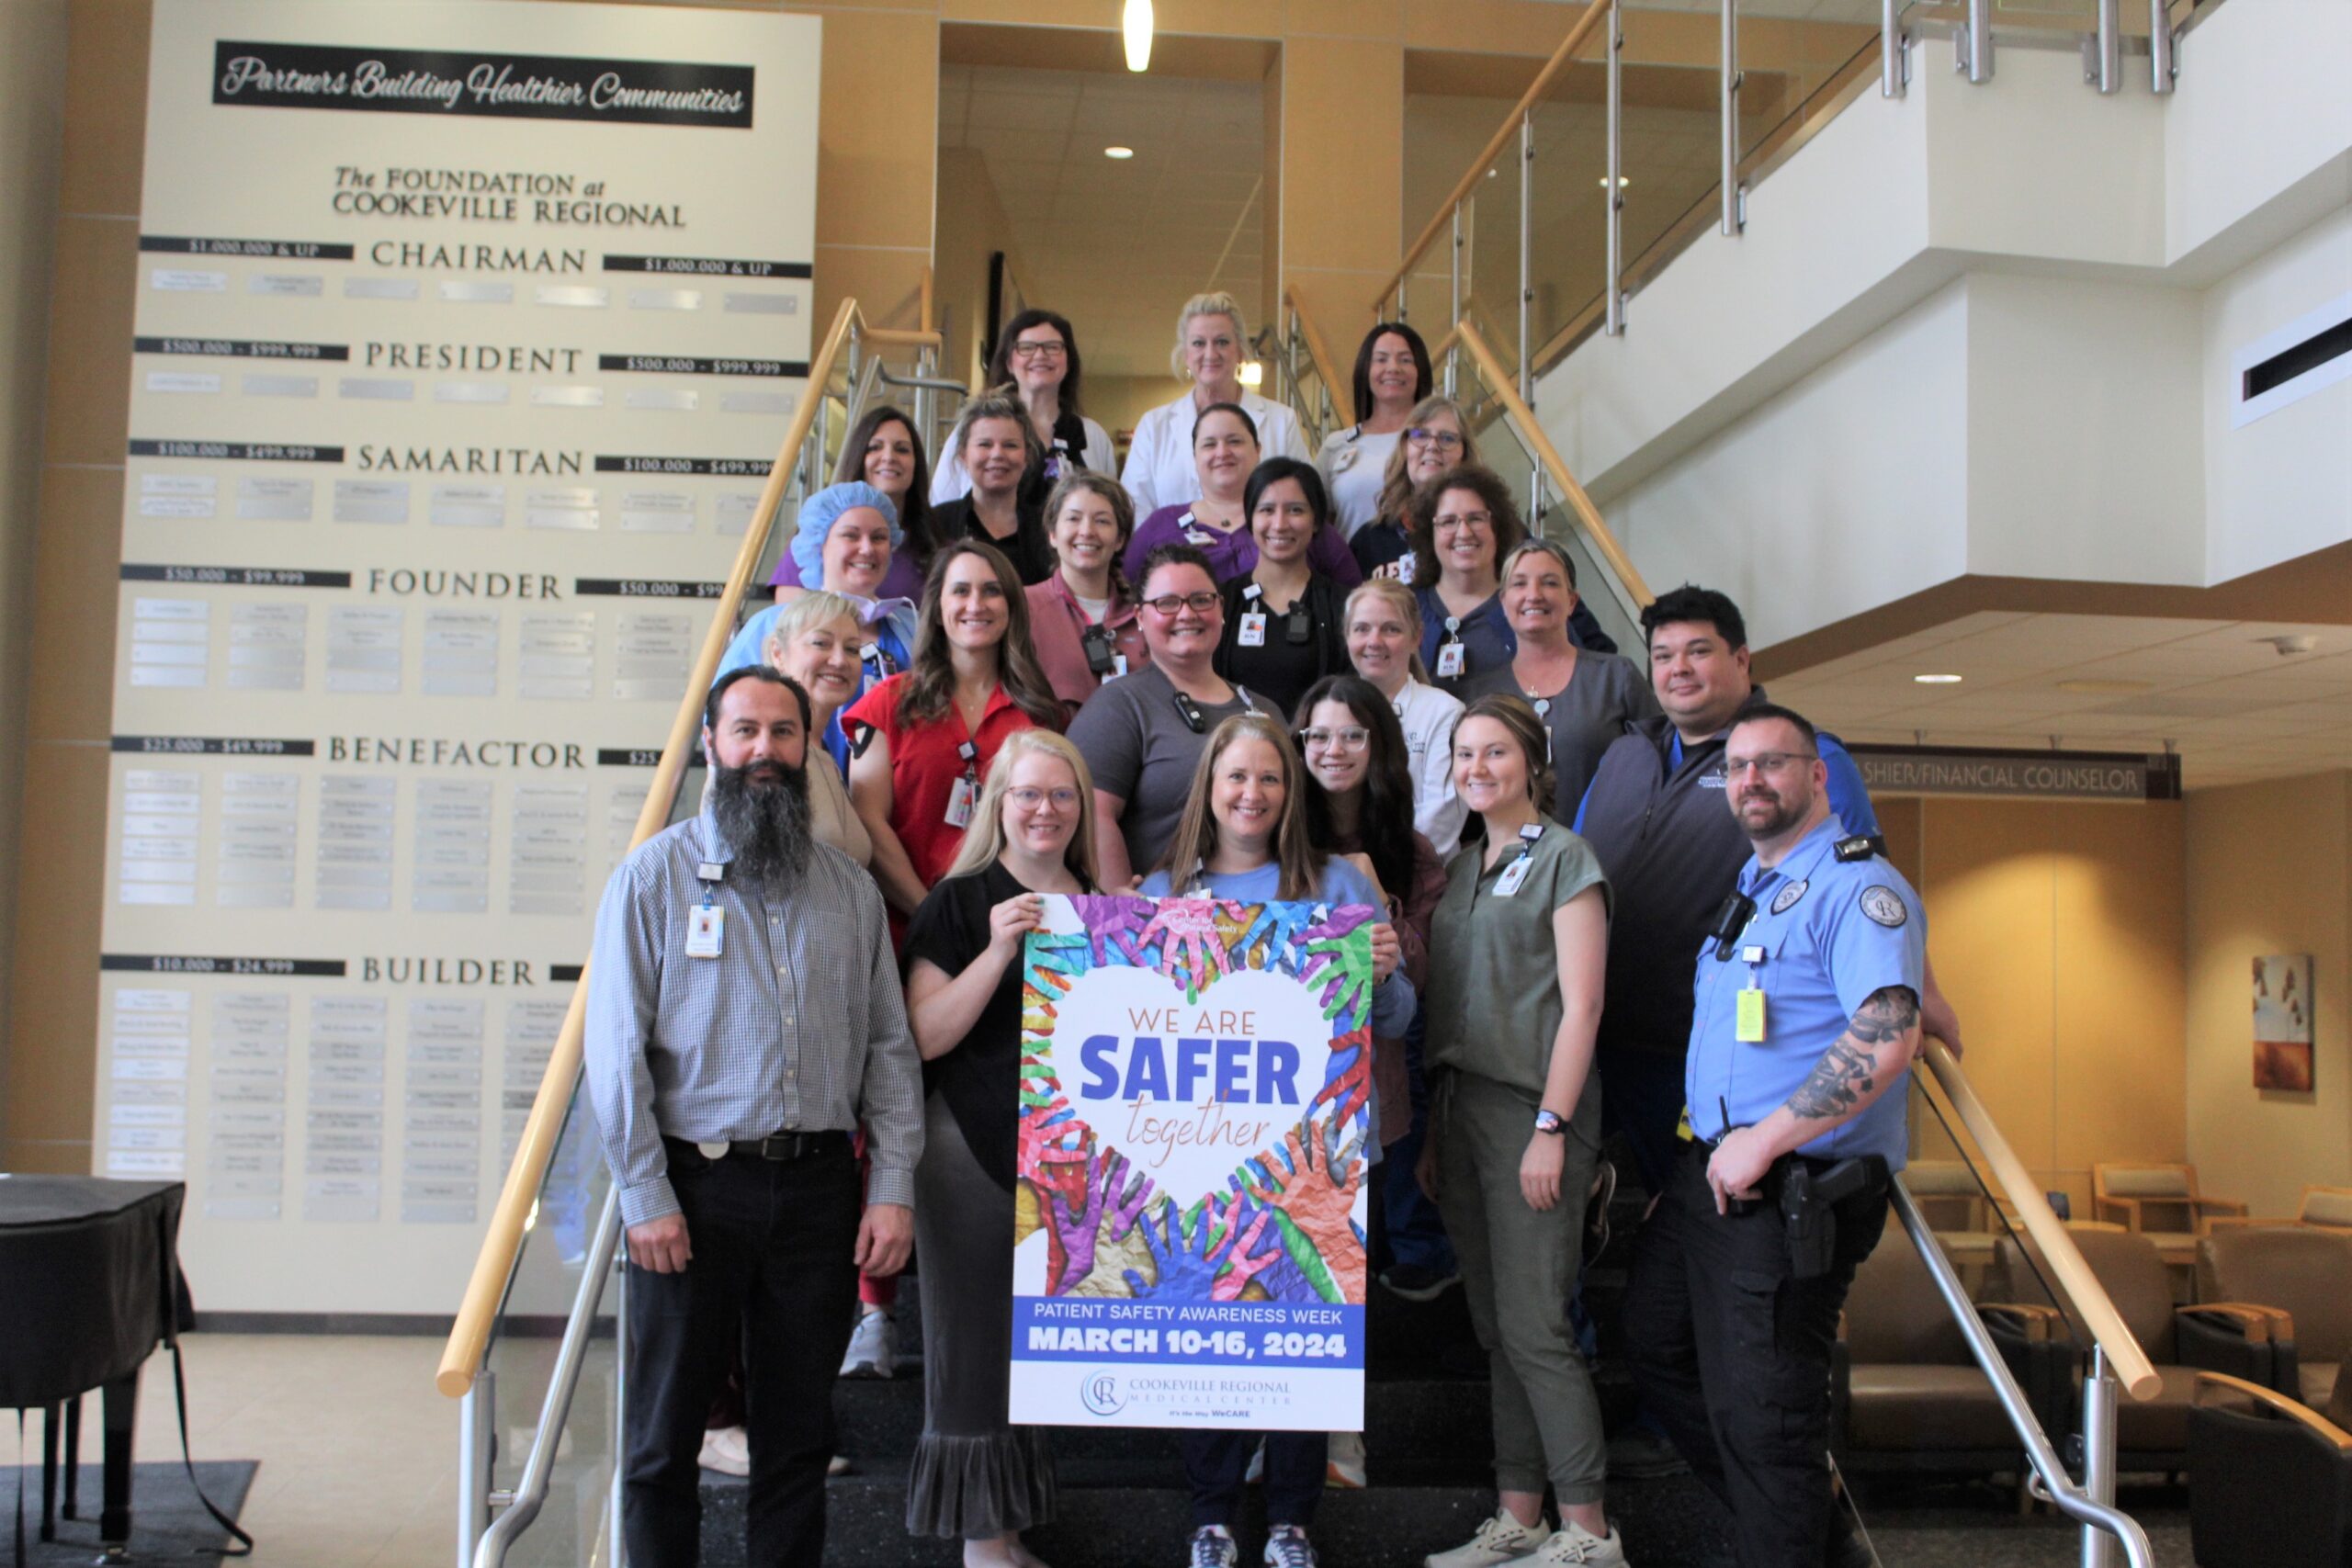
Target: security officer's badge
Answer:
pixel 1884 904
pixel 1788 896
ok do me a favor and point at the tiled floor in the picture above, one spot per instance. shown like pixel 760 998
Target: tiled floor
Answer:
pixel 358 1452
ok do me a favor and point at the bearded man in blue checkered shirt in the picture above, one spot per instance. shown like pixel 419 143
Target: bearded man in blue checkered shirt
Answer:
pixel 744 1017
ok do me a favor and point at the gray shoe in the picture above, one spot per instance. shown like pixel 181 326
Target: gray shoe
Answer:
pixel 1501 1540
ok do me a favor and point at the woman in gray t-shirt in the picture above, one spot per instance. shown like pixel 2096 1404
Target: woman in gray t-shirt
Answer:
pixel 1586 699
pixel 1142 733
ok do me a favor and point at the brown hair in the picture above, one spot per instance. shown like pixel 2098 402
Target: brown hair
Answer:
pixel 1395 489
pixel 1422 517
pixel 999 371
pixel 1196 837
pixel 1084 481
pixel 1000 403
pixel 929 686
pixel 915 513
pixel 1517 714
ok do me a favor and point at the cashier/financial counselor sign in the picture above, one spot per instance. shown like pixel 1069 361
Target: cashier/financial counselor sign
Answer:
pixel 527 86
pixel 2045 775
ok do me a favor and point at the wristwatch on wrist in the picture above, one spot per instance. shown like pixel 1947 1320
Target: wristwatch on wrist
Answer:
pixel 1551 1121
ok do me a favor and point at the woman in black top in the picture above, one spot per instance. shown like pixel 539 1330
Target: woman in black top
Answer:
pixel 974 1476
pixel 999 450
pixel 1284 621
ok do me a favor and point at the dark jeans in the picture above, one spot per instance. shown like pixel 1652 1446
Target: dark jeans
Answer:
pixel 1641 1095
pixel 1415 1234
pixel 1215 1463
pixel 772 1273
pixel 1732 1355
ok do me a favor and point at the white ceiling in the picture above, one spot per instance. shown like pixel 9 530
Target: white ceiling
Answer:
pixel 1118 247
pixel 2232 705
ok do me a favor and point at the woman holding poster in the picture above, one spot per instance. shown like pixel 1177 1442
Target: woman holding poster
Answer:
pixel 1516 960
pixel 976 1477
pixel 1243 838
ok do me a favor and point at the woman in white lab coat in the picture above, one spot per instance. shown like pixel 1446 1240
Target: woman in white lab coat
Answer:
pixel 1212 341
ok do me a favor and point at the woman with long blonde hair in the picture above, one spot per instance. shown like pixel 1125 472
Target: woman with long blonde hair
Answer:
pixel 976 1476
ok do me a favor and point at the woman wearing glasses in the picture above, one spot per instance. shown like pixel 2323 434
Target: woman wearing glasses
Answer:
pixel 1392 374
pixel 1435 438
pixel 1142 734
pixel 976 1477
pixel 1586 699
pixel 1243 836
pixel 1210 343
pixel 1517 953
pixel 1036 355
pixel 1217 521
pixel 1463 523
pixel 1282 621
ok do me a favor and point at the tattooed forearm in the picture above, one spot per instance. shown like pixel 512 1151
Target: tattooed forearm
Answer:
pixel 1889 1014
pixel 1851 1072
pixel 1835 1085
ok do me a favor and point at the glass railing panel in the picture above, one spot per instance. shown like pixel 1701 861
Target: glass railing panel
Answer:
pixel 1794 57
pixel 1568 234
pixel 1490 259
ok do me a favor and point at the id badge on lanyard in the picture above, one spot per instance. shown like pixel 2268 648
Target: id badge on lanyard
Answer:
pixel 706 922
pixel 1450 652
pixel 1749 1022
pixel 967 793
pixel 1253 620
pixel 1514 876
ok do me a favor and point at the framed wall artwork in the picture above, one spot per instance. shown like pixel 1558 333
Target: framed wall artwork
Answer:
pixel 2282 1022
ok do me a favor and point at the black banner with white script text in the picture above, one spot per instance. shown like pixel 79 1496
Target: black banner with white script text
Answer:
pixel 521 86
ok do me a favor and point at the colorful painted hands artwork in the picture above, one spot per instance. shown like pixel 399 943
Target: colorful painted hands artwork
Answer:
pixel 1281 1226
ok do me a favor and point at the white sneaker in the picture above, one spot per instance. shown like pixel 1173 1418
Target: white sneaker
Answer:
pixel 727 1451
pixel 1344 1466
pixel 1213 1547
pixel 1501 1540
pixel 873 1348
pixel 1572 1544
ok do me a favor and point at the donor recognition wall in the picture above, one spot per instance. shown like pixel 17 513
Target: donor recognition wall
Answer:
pixel 466 331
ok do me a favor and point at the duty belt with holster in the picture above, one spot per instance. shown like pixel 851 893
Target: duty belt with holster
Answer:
pixel 1809 1191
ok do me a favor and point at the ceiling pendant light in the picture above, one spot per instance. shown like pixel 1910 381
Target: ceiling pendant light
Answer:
pixel 1134 26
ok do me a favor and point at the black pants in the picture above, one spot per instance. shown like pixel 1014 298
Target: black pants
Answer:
pixel 773 1272
pixel 1215 1463
pixel 1732 1356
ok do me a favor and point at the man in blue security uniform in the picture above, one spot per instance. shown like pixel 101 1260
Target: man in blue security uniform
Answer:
pixel 1807 1017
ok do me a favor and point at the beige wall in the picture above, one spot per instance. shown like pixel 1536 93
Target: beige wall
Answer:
pixel 971 227
pixel 2058 932
pixel 2269 871
pixel 33 127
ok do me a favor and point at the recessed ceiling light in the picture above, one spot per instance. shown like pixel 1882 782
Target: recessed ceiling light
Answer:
pixel 1938 679
pixel 2105 688
pixel 1120 153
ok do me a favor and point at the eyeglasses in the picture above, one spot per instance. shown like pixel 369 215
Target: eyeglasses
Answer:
pixel 1444 440
pixel 1169 604
pixel 1463 520
pixel 1028 799
pixel 1352 738
pixel 1765 763
pixel 1039 350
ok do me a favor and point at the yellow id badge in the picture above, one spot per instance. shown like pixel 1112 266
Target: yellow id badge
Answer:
pixel 1750 1031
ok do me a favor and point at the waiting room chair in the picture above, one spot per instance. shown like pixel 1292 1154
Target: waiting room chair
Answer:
pixel 2303 1276
pixel 2224 1336
pixel 2322 1208
pixel 2269 1479
pixel 2155 1198
pixel 1905 1392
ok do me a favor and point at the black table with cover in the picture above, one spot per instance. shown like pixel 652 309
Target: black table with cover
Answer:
pixel 89 1285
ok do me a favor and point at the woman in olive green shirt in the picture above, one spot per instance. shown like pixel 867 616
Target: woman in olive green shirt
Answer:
pixel 1517 953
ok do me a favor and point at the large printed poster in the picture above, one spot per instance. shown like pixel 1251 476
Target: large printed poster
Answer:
pixel 466 331
pixel 1189 1245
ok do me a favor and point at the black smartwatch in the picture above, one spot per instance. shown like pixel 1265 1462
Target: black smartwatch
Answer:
pixel 1551 1121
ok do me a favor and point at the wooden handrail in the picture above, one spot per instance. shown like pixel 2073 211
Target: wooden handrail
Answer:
pixel 1342 405
pixel 1593 11
pixel 1588 516
pixel 2124 1354
pixel 893 338
pixel 928 322
pixel 469 1335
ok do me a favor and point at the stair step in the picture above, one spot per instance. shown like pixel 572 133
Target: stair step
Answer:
pixel 1662 1521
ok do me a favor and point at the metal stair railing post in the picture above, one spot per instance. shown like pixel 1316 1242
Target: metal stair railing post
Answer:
pixel 2098 1516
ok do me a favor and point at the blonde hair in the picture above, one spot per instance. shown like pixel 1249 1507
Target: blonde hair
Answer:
pixel 996 403
pixel 1300 868
pixel 1399 598
pixel 984 841
pixel 1395 489
pixel 1217 302
pixel 817 607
